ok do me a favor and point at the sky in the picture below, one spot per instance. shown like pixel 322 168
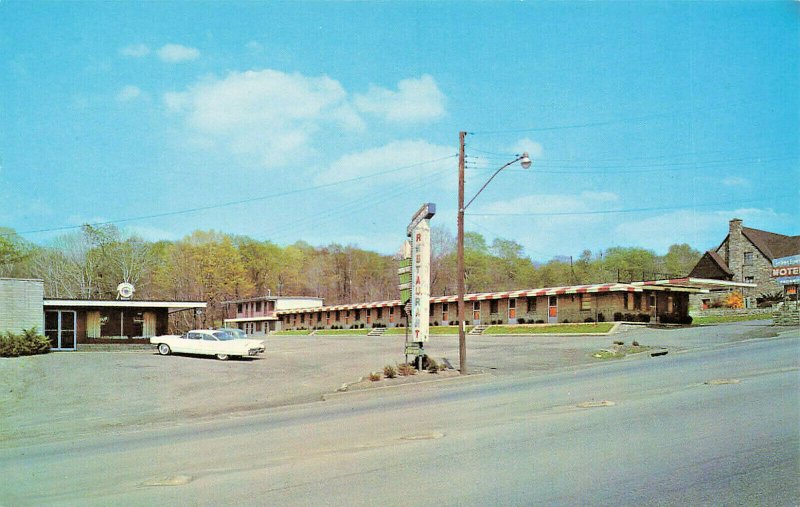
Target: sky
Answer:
pixel 649 123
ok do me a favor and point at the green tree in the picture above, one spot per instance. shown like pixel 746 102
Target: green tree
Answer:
pixel 680 260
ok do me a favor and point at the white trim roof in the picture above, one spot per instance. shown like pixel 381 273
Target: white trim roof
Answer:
pixel 121 303
pixel 481 296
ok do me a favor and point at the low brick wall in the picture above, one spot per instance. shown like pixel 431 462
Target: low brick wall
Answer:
pixel 724 312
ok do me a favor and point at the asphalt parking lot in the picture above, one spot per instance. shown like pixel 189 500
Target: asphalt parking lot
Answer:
pixel 67 394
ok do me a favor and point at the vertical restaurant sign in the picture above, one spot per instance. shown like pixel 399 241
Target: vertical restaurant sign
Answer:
pixel 421 281
pixel 420 232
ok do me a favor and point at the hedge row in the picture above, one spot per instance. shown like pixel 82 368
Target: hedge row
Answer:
pixel 27 343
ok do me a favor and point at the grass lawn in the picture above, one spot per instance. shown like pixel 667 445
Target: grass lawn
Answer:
pixel 600 327
pixel 342 331
pixel 721 319
pixel 299 332
pixel 434 330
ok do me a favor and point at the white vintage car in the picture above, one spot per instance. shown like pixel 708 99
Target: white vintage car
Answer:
pixel 207 342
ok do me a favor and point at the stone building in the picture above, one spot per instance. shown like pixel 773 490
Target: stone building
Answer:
pixel 745 255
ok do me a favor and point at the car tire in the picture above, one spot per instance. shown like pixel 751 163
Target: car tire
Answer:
pixel 222 357
pixel 164 349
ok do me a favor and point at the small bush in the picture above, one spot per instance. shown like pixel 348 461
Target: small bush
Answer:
pixel 635 343
pixel 565 321
pixel 540 321
pixel 27 343
pixel 601 317
pixel 644 317
pixel 406 370
pixel 374 376
pixel 435 322
pixel 520 321
pixel 687 320
pixel 588 320
pixel 389 371
pixel 629 317
pixel 618 342
pixel 617 316
pixel 433 366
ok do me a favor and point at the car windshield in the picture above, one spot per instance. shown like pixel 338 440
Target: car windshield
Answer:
pixel 222 336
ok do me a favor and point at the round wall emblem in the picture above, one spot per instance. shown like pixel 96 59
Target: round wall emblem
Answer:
pixel 125 290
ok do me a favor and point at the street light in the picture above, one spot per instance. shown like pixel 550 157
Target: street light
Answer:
pixel 525 161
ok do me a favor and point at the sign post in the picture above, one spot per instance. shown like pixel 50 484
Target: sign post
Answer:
pixel 419 284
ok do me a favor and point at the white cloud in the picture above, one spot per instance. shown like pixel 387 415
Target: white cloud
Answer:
pixel 135 51
pixel 736 181
pixel 268 116
pixel 407 154
pixel 175 53
pixel 533 148
pixel 129 93
pixel 415 100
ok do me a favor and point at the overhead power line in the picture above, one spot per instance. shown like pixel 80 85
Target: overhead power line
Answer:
pixel 229 203
pixel 627 210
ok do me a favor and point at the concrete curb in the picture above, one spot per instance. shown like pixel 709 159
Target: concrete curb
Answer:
pixel 339 394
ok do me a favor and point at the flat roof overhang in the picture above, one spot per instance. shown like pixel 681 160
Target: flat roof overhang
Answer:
pixel 172 306
pixel 697 285
pixel 250 319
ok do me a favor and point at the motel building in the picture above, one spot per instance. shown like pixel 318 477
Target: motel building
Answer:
pixel 661 301
pixel 259 315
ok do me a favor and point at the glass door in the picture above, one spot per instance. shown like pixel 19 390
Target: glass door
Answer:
pixel 60 329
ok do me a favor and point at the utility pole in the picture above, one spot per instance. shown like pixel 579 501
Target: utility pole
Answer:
pixel 462 335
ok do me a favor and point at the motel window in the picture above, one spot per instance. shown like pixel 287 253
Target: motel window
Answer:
pixel 239 308
pixel 379 312
pixel 531 303
pixel 637 301
pixel 302 317
pixel 358 314
pixel 445 313
pixel 337 315
pixel 430 311
pixel 748 279
pixel 493 306
pixel 258 306
pixel 748 258
pixel 391 315
pixel 586 301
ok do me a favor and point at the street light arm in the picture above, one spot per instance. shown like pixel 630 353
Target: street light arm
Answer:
pixel 521 157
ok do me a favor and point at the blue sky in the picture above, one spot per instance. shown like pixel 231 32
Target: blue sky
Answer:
pixel 649 123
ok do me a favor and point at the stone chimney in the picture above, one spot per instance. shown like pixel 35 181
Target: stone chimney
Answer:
pixel 735 248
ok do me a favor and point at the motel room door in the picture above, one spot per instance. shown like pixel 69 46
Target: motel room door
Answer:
pixel 60 327
pixel 552 309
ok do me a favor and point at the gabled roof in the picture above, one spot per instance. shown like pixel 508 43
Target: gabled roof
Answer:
pixel 772 245
pixel 711 265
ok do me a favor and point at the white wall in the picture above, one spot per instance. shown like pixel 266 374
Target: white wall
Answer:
pixel 292 303
pixel 21 305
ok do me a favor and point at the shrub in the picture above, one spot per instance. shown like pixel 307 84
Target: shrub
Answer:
pixel 389 371
pixel 374 376
pixel 435 322
pixel 520 321
pixel 687 320
pixel 635 343
pixel 588 319
pixel 27 343
pixel 540 321
pixel 565 321
pixel 406 369
pixel 644 317
pixel 734 300
pixel 433 366
pixel 617 316
pixel 618 342
pixel 601 317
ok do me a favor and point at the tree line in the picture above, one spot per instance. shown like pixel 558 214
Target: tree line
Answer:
pixel 215 267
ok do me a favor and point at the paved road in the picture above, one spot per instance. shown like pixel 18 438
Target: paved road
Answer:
pixel 668 439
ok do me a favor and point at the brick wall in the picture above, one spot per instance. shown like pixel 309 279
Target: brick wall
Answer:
pixel 21 304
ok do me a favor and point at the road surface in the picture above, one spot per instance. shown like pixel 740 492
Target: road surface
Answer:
pixel 711 427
